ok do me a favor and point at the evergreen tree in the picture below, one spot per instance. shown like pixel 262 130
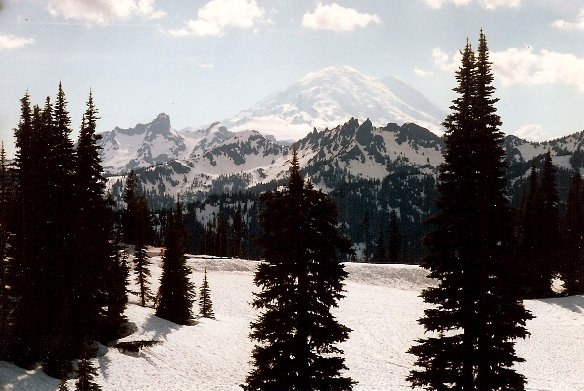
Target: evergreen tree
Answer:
pixel 5 300
pixel 94 226
pixel 395 238
pixel 63 385
pixel 300 280
pixel 141 258
pixel 547 234
pixel 476 311
pixel 130 212
pixel 87 373
pixel 205 303
pixel 175 295
pixel 379 254
pixel 237 234
pixel 573 265
pixel 366 237
pixel 528 269
pixel 116 282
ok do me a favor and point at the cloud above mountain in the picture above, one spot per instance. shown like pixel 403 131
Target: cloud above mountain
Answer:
pixel 218 16
pixel 486 4
pixel 103 11
pixel 526 66
pixel 10 41
pixel 334 17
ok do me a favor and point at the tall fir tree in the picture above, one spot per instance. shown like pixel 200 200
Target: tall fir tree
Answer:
pixel 547 235
pixel 237 232
pixel 476 312
pixel 93 231
pixel 6 208
pixel 300 280
pixel 573 262
pixel 175 295
pixel 141 258
pixel 395 239
pixel 130 212
pixel 205 302
pixel 86 373
pixel 529 235
pixel 379 254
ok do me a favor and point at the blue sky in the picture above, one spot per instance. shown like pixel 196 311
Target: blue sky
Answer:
pixel 205 60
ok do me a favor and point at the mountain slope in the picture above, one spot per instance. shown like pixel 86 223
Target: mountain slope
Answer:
pixel 328 157
pixel 155 142
pixel 334 95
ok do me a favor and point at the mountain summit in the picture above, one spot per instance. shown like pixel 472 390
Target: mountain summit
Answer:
pixel 332 96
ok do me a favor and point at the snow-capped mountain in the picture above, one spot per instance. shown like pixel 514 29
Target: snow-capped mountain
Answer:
pixel 248 158
pixel 156 142
pixel 319 100
pixel 332 96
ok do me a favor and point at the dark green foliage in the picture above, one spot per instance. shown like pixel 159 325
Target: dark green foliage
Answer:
pixel 300 280
pixel 175 295
pixel 63 385
pixel 237 234
pixel 60 254
pixel 205 303
pixel 573 263
pixel 86 375
pixel 130 212
pixel 379 256
pixel 116 281
pixel 476 312
pixel 395 239
pixel 540 232
pixel 6 227
pixel 366 237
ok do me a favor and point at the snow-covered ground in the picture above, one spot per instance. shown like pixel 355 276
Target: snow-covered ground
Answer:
pixel 381 306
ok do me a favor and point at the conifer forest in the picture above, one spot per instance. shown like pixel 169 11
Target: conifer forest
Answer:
pixel 106 284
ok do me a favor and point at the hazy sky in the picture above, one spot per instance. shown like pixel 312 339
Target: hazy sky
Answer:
pixel 205 60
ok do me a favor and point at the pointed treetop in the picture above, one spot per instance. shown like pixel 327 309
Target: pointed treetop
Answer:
pixel 296 182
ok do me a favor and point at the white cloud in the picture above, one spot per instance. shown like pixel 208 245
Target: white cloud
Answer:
pixel 422 73
pixel 219 15
pixel 337 18
pixel 103 11
pixel 565 25
pixel 532 132
pixel 487 4
pixel 9 41
pixel 445 62
pixel 524 66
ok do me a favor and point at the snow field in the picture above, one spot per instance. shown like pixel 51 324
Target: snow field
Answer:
pixel 381 306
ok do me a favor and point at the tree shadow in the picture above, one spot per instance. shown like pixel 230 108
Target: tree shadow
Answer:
pixel 160 327
pixel 572 303
pixel 16 378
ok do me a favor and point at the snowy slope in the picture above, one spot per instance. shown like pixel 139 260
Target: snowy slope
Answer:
pixel 248 159
pixel 155 142
pixel 381 306
pixel 332 96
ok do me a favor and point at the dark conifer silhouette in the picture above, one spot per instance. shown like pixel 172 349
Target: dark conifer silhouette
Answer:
pixel 86 374
pixel 237 234
pixel 205 303
pixel 175 295
pixel 476 311
pixel 395 239
pixel 300 280
pixel 379 254
pixel 573 263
